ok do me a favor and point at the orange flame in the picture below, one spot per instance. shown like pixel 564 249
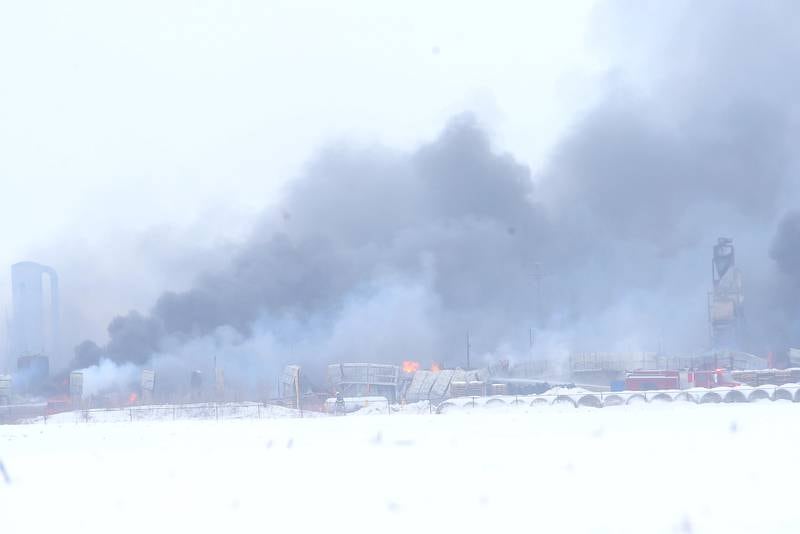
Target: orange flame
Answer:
pixel 133 398
pixel 410 367
pixel 435 367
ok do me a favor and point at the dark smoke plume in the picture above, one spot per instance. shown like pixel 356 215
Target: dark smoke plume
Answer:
pixel 786 247
pixel 384 255
pixel 453 216
pixel 783 292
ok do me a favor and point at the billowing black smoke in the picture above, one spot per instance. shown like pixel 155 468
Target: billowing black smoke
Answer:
pixel 783 293
pixel 384 255
pixel 786 248
pixel 453 216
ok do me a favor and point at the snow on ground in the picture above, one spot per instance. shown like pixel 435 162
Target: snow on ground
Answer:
pixel 421 407
pixel 563 390
pixel 667 468
pixel 169 412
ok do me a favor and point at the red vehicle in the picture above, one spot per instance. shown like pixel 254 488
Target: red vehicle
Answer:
pixel 647 380
pixel 653 379
pixel 712 379
pixel 57 405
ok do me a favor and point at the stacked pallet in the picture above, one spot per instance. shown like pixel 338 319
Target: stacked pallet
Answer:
pixel 783 376
pixel 458 389
pixel 773 377
pixel 746 377
pixel 476 388
pixel 795 374
pixel 499 389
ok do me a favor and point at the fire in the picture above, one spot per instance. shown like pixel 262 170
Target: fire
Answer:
pixel 133 398
pixel 410 367
pixel 435 367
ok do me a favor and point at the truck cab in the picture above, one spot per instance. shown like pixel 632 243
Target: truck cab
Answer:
pixel 712 379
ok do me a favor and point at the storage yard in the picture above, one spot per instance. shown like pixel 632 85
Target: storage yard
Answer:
pixel 720 373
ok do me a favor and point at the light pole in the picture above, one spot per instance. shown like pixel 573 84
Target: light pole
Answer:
pixel 537 277
pixel 468 347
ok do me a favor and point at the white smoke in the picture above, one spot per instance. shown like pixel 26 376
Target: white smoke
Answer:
pixel 108 376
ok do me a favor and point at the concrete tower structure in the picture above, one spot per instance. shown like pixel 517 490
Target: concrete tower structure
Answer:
pixel 726 300
pixel 33 332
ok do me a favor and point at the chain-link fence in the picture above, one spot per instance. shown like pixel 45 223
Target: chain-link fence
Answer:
pixel 216 411
pixel 40 413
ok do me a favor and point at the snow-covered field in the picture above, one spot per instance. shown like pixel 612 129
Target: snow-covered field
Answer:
pixel 170 412
pixel 666 468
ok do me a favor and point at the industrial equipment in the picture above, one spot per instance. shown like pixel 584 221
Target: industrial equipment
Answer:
pixel 726 299
pixel 365 379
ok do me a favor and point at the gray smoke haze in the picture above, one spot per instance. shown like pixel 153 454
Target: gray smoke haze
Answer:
pixel 786 247
pixel 442 238
pixel 383 255
pixel 784 292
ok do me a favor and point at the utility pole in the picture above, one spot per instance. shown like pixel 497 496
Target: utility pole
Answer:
pixel 298 392
pixel 537 320
pixel 468 347
pixel 530 364
pixel 537 277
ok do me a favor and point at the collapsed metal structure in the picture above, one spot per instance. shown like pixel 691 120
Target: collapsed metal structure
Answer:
pixel 365 379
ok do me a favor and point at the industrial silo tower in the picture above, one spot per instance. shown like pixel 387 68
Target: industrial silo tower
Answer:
pixel 726 300
pixel 34 320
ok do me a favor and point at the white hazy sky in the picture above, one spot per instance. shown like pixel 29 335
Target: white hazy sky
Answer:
pixel 118 118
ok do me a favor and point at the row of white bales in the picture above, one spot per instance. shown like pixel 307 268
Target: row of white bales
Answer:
pixel 580 397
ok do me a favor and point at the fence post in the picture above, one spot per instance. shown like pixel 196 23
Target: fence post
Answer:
pixel 130 413
pixel 259 411
pixel 216 410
